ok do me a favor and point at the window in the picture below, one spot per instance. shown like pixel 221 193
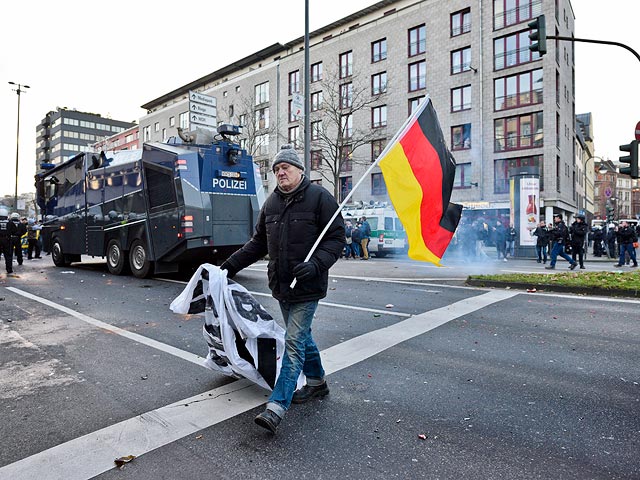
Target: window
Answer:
pixel 518 90
pixel 379 116
pixel 346 64
pixel 377 146
pixel 230 112
pixel 156 127
pixel 502 166
pixel 523 131
pixel 316 101
pixel 237 88
pixel 346 158
pixel 510 12
pixel 294 136
pixel 262 93
pixel 378 83
pixel 461 60
pixel 292 113
pixel 378 187
pixel 316 72
pixel 460 22
pixel 378 50
pixel 413 103
pixel 463 176
pixel 164 134
pixel 346 184
pixel 461 98
pixel 262 118
pixel 513 50
pixel 183 120
pixel 294 82
pixel 417 40
pixel 461 137
pixel 316 159
pixel 316 128
pixel 346 126
pixel 262 144
pixel 417 76
pixel 242 120
pixel 172 121
pixel 346 95
pixel 146 133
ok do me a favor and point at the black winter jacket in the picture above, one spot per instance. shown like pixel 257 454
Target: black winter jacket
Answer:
pixel 543 236
pixel 626 235
pixel 286 230
pixel 578 231
pixel 560 233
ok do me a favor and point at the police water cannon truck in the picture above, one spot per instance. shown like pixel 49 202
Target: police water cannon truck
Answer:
pixel 194 199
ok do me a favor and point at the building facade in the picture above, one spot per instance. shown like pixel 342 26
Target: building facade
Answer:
pixel 128 139
pixel 501 107
pixel 63 133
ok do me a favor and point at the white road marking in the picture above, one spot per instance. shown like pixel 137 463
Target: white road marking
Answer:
pixel 188 356
pixel 92 454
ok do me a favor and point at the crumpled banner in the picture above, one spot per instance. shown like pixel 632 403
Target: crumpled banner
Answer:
pixel 243 338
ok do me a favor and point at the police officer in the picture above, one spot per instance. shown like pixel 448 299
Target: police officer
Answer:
pixel 578 231
pixel 560 236
pixel 7 229
pixel 16 238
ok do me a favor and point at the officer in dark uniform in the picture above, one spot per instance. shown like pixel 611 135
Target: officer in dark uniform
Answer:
pixel 16 238
pixel 578 231
pixel 7 229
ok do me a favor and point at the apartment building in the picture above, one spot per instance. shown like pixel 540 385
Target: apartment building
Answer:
pixel 64 133
pixel 501 107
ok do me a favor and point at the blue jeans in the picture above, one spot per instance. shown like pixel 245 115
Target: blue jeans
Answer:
pixel 511 248
pixel 541 251
pixel 300 354
pixel 558 249
pixel 628 247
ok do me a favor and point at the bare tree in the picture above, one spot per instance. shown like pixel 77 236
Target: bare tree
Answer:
pixel 345 124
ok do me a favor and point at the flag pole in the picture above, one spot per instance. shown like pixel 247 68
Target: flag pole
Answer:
pixel 399 133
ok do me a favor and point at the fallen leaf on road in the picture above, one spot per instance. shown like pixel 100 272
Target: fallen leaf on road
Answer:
pixel 422 436
pixel 122 460
pixel 376 314
pixel 199 437
pixel 389 305
pixel 531 290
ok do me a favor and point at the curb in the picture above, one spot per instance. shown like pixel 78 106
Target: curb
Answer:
pixel 610 292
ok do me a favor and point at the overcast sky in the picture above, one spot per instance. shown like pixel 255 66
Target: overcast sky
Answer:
pixel 113 60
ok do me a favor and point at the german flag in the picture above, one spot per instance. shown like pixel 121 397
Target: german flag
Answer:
pixel 419 172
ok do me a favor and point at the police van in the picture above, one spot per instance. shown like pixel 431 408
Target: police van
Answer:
pixel 387 233
pixel 150 210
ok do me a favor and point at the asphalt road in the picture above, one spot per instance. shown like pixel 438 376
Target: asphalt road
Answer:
pixel 429 378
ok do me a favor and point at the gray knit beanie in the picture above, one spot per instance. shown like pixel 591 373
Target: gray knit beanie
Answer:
pixel 287 154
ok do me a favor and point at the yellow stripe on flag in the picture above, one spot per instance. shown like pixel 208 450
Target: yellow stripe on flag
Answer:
pixel 406 195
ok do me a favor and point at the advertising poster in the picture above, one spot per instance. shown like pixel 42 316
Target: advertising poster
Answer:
pixel 529 209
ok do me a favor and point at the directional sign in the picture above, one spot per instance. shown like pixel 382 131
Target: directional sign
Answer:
pixel 297 105
pixel 196 97
pixel 202 119
pixel 638 131
pixel 202 109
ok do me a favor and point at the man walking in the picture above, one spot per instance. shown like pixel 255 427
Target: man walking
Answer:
pixel 366 237
pixel 289 223
pixel 560 236
pixel 578 232
pixel 626 237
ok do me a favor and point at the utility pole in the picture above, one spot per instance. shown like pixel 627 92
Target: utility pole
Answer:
pixel 18 91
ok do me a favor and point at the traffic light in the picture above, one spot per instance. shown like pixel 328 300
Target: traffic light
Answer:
pixel 610 215
pixel 538 34
pixel 631 159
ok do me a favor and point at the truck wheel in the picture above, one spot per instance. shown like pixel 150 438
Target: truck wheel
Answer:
pixel 139 260
pixel 58 256
pixel 116 258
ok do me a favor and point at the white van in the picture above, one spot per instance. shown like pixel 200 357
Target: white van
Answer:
pixel 387 233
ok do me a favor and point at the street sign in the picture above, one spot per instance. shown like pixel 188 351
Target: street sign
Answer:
pixel 638 131
pixel 202 109
pixel 205 120
pixel 201 98
pixel 297 105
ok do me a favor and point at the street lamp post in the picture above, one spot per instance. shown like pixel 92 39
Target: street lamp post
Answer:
pixel 18 90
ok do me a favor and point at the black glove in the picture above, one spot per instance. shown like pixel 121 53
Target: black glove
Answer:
pixel 231 272
pixel 305 271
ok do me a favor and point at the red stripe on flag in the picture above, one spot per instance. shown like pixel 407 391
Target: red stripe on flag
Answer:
pixel 425 164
